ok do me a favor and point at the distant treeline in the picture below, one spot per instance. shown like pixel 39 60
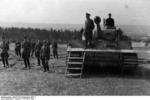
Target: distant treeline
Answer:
pixel 15 33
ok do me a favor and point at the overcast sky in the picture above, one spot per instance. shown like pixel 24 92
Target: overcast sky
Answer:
pixel 72 11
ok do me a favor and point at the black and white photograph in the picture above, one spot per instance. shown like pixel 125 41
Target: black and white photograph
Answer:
pixel 74 48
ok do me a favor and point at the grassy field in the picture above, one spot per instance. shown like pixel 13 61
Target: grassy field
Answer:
pixel 18 81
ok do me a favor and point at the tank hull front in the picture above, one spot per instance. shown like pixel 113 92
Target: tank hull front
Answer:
pixel 108 57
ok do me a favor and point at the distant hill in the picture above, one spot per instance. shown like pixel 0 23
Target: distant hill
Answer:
pixel 136 31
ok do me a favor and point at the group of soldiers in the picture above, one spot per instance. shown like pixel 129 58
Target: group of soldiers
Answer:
pixel 27 49
pixel 89 27
pixel 4 53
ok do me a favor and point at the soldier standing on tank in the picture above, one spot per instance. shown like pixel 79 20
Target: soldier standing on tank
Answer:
pixel 45 55
pixel 54 46
pixel 26 52
pixel 110 23
pixel 88 30
pixel 4 53
pixel 37 51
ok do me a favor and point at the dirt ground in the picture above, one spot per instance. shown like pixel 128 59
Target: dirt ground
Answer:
pixel 19 81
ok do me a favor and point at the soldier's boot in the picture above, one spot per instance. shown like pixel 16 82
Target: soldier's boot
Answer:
pixel 7 62
pixel 25 63
pixel 3 60
pixel 54 55
pixel 4 65
pixel 57 55
pixel 38 60
pixel 47 67
pixel 44 68
pixel 28 62
pixel 43 63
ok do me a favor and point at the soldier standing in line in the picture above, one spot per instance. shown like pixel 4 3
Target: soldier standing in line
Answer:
pixel 88 30
pixel 45 55
pixel 37 51
pixel 26 52
pixel 54 46
pixel 18 48
pixel 4 53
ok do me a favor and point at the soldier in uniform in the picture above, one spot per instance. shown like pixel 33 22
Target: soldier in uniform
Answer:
pixel 88 30
pixel 26 52
pixel 37 51
pixel 45 55
pixel 4 53
pixel 110 22
pixel 18 48
pixel 54 46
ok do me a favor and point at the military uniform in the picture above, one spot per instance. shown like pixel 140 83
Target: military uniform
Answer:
pixel 37 52
pixel 55 53
pixel 26 53
pixel 110 22
pixel 4 54
pixel 88 31
pixel 45 56
pixel 18 49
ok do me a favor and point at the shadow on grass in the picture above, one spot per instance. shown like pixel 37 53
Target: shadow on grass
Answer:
pixel 130 73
